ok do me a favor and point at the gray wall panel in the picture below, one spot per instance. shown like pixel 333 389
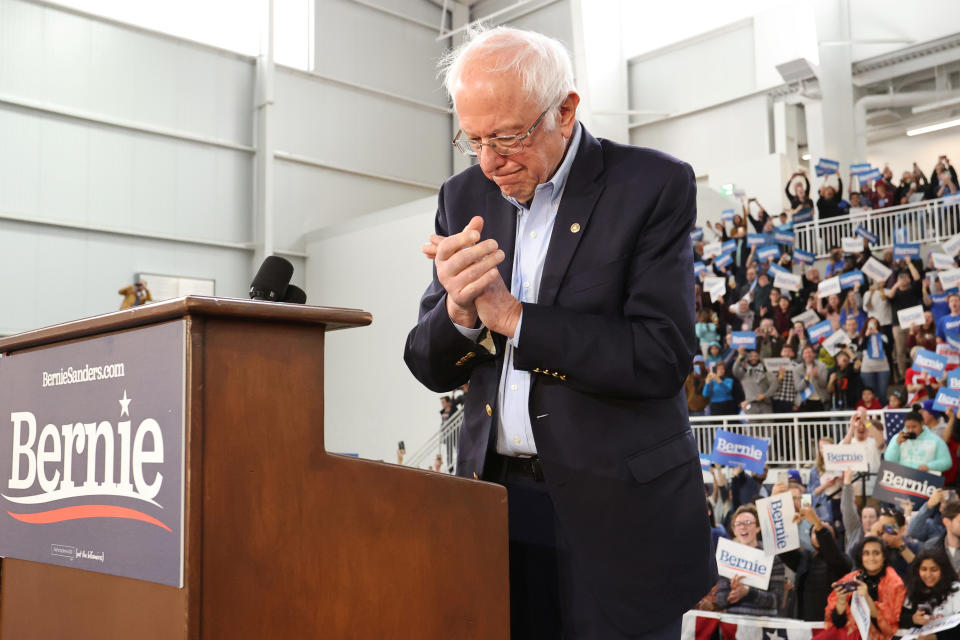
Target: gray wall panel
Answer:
pixel 357 129
pixel 309 198
pixel 369 47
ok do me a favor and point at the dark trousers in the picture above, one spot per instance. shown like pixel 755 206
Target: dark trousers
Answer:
pixel 549 597
pixel 782 406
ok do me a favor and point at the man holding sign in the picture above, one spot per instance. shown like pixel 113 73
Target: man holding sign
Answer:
pixel 905 294
pixel 949 326
pixel 742 564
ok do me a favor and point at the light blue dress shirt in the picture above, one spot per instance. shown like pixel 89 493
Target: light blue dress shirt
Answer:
pixel 534 229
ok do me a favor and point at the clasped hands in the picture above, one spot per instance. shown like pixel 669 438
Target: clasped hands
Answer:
pixel 467 269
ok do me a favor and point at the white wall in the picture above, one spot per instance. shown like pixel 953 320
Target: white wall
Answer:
pixel 901 152
pixel 374 263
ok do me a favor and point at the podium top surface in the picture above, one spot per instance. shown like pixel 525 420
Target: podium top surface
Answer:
pixel 330 318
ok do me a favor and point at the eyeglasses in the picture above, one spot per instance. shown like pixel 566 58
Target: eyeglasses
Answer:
pixel 503 145
pixel 745 523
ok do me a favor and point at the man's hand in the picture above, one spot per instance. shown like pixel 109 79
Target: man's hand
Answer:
pixel 499 311
pixel 463 268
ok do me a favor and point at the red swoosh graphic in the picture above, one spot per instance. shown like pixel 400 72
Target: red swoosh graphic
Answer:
pixel 86 511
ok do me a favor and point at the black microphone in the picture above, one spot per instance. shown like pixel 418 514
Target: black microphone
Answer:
pixel 271 280
pixel 295 295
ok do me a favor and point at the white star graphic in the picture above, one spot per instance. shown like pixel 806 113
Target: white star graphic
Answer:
pixel 124 404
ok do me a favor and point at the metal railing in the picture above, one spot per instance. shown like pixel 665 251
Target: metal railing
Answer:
pixel 924 222
pixel 793 436
pixel 444 442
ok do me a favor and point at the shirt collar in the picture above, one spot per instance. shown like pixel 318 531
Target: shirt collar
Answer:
pixel 559 179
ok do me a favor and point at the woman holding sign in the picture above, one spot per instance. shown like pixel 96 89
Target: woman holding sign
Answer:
pixel 933 592
pixel 880 587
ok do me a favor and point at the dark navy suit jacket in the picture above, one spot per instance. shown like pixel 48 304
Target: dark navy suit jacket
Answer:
pixel 610 343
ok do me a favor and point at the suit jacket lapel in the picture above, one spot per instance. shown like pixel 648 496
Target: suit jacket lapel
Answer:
pixel 576 206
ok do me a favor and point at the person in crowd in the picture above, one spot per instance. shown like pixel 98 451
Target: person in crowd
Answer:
pixel 798 192
pixel 809 283
pixel 948 326
pixel 758 383
pixel 917 447
pixel 921 384
pixel 797 338
pixel 896 398
pixel 933 592
pixel 706 329
pixel 932 417
pixel 878 584
pixel 746 488
pixel 829 309
pixel 874 366
pixel 864 432
pixel 812 377
pixel 943 164
pixel 714 355
pixel 952 437
pixel 784 398
pixel 858 204
pixel 135 295
pixel 869 400
pixel 719 498
pixel 836 264
pixel 769 343
pixel 844 382
pixel 781 317
pixel 927 524
pixel 824 487
pixel 934 297
pixel 883 195
pixel 946 539
pixel 923 336
pixel 446 408
pixel 718 389
pixel 948 185
pixel 696 401
pixel 891 527
pixel 828 204
pixel 906 293
pixel 733 596
pixel 815 571
pixel 850 310
pixel 855 521
pixel 741 314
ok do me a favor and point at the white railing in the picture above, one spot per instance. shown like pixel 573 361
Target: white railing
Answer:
pixel 925 222
pixel 793 436
pixel 444 442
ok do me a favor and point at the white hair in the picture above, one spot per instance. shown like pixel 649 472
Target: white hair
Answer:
pixel 542 64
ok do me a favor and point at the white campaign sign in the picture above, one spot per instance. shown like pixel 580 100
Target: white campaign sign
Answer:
pixel 780 533
pixel 935 626
pixel 808 318
pixel 712 250
pixel 876 270
pixel 735 559
pixel 787 281
pixel 853 245
pixel 949 278
pixel 909 317
pixel 840 457
pixel 942 261
pixel 828 287
pixel 837 338
pixel 774 364
pixel 952 246
pixel 861 615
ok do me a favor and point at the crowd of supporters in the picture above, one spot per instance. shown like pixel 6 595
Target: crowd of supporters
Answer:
pixel 904 562
pixel 871 365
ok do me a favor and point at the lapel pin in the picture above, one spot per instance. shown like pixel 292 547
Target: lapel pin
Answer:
pixel 575 227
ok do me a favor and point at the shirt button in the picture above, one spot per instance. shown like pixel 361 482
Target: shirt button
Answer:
pixel 526 285
pixel 489 410
pixel 533 234
pixel 516 440
pixel 513 387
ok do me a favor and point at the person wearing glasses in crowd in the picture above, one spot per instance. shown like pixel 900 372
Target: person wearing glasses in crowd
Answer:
pixel 135 295
pixel 933 592
pixel 733 596
pixel 878 584
pixel 562 293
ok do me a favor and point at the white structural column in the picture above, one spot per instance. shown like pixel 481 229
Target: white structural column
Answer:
pixel 836 85
pixel 263 193
pixel 600 67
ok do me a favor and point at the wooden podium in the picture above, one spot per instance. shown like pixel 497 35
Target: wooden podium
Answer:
pixel 281 538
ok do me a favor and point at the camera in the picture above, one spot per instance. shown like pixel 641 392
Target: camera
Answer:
pixel 889 529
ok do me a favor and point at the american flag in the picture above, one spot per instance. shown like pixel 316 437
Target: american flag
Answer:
pixel 892 424
pixel 702 625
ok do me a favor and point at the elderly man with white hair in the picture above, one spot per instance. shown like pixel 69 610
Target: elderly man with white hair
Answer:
pixel 563 291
